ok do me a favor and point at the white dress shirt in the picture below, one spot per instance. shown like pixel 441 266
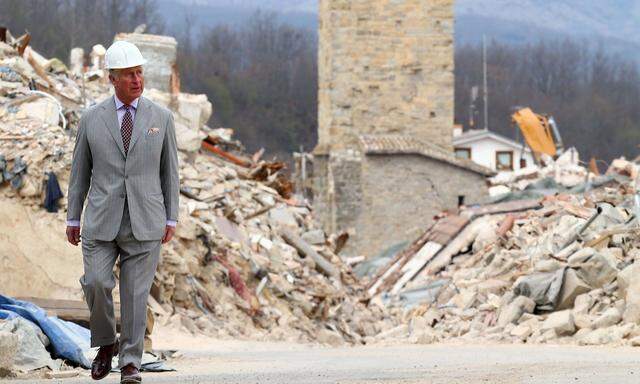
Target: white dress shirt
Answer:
pixel 121 111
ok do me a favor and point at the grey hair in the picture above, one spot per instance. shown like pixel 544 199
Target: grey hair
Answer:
pixel 114 72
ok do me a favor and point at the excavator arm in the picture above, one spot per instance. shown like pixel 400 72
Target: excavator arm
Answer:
pixel 539 133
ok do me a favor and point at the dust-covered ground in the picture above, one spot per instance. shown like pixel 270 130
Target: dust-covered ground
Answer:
pixel 206 360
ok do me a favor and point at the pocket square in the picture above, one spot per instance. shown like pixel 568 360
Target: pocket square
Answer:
pixel 153 131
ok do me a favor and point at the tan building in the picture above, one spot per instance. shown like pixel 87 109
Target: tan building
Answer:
pixel 384 164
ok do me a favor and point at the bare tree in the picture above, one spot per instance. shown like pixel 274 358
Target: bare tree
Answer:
pixel 594 95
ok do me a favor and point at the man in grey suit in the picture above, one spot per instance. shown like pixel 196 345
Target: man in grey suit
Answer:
pixel 125 158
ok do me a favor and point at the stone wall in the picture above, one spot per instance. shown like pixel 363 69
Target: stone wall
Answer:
pixel 338 191
pixel 402 194
pixel 385 67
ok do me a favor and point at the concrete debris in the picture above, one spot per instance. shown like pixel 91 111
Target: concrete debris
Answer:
pixel 566 171
pixel 555 268
pixel 560 322
pixel 30 353
pixel 514 311
pixel 8 351
pixel 248 261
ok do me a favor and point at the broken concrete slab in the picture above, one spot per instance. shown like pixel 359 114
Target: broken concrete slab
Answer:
pixel 611 316
pixel 561 323
pixel 315 237
pixel 572 287
pixel 8 351
pixel 632 298
pixel 593 268
pixel 512 313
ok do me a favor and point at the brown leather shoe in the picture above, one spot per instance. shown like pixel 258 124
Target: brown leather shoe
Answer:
pixel 101 365
pixel 129 374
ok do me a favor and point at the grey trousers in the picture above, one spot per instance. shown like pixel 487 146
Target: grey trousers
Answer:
pixel 138 264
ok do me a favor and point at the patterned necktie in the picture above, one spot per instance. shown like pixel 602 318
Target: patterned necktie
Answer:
pixel 127 128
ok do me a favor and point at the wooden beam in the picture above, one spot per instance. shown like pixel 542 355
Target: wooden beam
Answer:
pixel 71 310
pixel 305 249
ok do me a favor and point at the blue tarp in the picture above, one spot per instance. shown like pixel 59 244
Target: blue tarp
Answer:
pixel 68 340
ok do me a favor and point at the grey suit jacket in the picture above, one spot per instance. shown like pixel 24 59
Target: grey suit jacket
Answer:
pixel 147 177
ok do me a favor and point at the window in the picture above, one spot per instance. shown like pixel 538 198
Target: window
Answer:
pixel 504 160
pixel 463 153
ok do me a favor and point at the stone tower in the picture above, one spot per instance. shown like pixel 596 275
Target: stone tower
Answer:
pixel 384 162
pixel 385 67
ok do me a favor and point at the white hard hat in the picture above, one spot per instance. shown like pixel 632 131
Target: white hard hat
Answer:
pixel 123 54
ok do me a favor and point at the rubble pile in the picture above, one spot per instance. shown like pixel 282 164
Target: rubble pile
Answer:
pixel 552 270
pixel 562 174
pixel 247 260
pixel 251 258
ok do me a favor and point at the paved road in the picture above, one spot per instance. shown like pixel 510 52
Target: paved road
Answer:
pixel 253 363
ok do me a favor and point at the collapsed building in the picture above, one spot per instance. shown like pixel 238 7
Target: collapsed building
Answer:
pixel 384 163
pixel 550 262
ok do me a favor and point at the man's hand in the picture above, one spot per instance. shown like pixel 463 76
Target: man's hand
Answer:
pixel 168 234
pixel 73 235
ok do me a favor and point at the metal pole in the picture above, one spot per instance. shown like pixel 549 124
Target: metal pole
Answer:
pixel 485 91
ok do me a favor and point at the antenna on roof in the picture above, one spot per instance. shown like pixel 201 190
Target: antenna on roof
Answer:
pixel 484 79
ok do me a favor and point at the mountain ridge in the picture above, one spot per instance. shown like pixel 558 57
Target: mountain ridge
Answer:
pixel 610 23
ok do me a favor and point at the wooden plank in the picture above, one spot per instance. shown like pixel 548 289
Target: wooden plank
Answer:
pixel 384 272
pixel 389 274
pixel 510 206
pixel 447 228
pixel 424 255
pixel 71 310
pixel 305 249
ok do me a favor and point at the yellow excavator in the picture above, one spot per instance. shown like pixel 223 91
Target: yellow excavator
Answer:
pixel 540 132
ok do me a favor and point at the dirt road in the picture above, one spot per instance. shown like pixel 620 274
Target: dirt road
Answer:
pixel 206 360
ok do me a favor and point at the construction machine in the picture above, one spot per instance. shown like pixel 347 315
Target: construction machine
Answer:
pixel 540 133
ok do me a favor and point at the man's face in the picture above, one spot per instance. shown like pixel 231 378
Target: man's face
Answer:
pixel 128 83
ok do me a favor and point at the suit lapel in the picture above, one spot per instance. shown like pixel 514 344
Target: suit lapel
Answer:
pixel 143 115
pixel 110 118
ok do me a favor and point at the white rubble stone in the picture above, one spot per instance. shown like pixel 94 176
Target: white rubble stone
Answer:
pixel 513 311
pixel 43 109
pixel 632 298
pixel 595 269
pixel 187 139
pixel 522 331
pixel 8 351
pixel 583 304
pixel 572 287
pixel 584 321
pixel 426 336
pixel 547 265
pixel 610 317
pixel 602 336
pixel 315 237
pixel 332 338
pixel 561 322
pixel 76 59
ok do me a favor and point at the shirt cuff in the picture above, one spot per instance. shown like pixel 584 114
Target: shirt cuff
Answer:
pixel 73 223
pixel 172 223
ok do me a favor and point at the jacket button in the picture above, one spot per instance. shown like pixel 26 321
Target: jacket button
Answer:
pixel 123 195
pixel 126 176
